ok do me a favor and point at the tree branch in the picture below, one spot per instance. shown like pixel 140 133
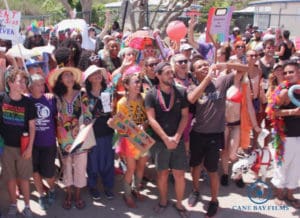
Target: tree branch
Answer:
pixel 155 13
pixel 171 14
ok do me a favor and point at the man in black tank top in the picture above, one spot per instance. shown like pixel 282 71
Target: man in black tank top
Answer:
pixel 287 174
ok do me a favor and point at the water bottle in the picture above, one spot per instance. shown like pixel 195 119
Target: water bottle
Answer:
pixel 24 142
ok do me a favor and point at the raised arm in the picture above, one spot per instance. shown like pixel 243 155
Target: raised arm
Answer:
pixel 191 40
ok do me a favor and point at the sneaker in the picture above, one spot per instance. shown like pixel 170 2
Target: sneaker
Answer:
pixel 224 180
pixel 12 211
pixel 240 183
pixel 27 212
pixel 51 196
pixel 109 194
pixel 193 198
pixel 212 208
pixel 43 202
pixel 95 194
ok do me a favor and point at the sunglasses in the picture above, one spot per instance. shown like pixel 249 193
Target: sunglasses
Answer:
pixel 288 72
pixel 240 46
pixel 181 62
pixel 94 58
pixel 152 64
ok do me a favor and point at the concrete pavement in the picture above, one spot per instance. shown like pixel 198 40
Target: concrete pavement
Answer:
pixel 234 203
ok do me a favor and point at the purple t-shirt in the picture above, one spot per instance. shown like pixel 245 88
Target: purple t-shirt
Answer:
pixel 45 134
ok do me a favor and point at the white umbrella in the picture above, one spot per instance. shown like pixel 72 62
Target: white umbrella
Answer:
pixel 77 24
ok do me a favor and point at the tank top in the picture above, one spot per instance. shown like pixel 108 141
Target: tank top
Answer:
pixel 265 70
pixel 292 122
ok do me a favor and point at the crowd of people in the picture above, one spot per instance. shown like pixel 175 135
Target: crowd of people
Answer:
pixel 202 103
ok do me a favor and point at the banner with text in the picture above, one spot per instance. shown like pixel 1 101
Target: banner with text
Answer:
pixel 9 24
pixel 218 23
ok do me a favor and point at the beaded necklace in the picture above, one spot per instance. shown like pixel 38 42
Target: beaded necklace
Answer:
pixel 162 102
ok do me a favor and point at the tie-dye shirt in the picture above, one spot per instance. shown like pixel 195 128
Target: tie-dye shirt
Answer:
pixel 15 116
pixel 69 115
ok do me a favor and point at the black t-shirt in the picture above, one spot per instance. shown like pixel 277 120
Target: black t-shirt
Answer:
pixel 292 122
pixel 100 126
pixel 15 116
pixel 168 120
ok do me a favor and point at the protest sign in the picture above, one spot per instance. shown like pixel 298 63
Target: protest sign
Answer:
pixel 9 24
pixel 85 139
pixel 138 137
pixel 218 24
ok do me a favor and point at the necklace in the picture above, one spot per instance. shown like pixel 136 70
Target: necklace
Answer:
pixel 162 102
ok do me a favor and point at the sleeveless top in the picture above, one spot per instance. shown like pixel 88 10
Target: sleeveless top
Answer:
pixel 292 122
pixel 265 70
pixel 287 52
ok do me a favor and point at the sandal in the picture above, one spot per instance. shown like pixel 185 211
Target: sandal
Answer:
pixel 129 201
pixel 80 204
pixel 182 212
pixel 67 204
pixel 159 208
pixel 293 202
pixel 138 195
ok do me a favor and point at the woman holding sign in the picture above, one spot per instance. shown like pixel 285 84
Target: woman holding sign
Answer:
pixel 132 106
pixel 101 156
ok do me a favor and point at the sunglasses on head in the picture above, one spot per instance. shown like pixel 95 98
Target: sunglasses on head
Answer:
pixel 182 62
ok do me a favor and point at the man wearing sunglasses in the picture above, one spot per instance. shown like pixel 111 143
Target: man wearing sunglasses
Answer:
pixel 149 78
pixel 287 174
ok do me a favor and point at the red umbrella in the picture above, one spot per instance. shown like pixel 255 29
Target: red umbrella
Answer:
pixel 140 39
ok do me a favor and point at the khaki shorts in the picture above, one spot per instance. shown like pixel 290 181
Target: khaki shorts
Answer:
pixel 74 172
pixel 14 166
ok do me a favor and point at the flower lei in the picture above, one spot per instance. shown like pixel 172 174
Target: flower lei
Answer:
pixel 277 122
pixel 162 102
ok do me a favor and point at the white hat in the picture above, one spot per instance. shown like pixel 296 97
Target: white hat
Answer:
pixel 185 46
pixel 236 29
pixel 93 69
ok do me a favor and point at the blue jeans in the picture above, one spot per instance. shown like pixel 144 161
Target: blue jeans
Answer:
pixel 101 163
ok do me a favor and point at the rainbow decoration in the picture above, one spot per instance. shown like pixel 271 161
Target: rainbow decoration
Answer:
pixel 35 25
pixel 277 122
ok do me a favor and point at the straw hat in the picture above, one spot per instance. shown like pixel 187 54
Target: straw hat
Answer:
pixel 93 69
pixel 52 78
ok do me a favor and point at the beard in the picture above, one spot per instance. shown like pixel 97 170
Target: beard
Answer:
pixel 168 82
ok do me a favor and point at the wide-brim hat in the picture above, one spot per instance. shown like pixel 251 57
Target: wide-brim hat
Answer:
pixel 93 69
pixel 53 76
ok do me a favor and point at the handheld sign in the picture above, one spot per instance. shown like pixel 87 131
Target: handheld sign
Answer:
pixel 218 24
pixel 9 24
pixel 138 137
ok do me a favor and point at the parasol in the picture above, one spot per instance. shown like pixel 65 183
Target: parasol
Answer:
pixel 140 39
